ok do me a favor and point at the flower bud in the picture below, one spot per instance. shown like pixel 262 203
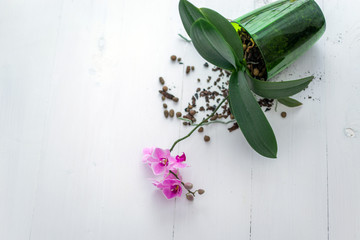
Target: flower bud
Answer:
pixel 201 191
pixel 188 185
pixel 189 197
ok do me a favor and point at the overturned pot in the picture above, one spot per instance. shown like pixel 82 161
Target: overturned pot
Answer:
pixel 283 31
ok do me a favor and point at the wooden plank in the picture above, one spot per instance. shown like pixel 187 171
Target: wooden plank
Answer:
pixel 343 118
pixel 27 45
pixel 104 108
pixel 290 193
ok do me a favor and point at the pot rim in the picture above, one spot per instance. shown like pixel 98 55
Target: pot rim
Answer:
pixel 262 55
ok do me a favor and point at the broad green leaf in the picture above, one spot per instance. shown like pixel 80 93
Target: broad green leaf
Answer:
pixel 278 89
pixel 189 14
pixel 289 102
pixel 226 29
pixel 211 45
pixel 250 117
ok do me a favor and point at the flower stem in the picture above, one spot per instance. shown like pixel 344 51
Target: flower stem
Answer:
pixel 197 126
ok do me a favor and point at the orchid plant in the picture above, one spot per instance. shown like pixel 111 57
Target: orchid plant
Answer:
pixel 217 41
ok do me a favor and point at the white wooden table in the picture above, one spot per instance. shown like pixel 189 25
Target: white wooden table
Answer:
pixel 79 101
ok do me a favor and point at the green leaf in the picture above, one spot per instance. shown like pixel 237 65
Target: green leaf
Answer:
pixel 226 29
pixel 189 14
pixel 289 102
pixel 211 45
pixel 278 89
pixel 250 117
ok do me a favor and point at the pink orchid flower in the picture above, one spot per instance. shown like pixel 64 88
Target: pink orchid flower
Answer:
pixel 170 186
pixel 161 161
pixel 179 162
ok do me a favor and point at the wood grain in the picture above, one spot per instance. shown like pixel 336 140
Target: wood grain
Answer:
pixel 79 101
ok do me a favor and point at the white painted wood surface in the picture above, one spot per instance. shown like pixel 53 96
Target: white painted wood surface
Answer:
pixel 79 101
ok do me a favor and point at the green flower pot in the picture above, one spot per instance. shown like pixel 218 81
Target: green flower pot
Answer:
pixel 283 30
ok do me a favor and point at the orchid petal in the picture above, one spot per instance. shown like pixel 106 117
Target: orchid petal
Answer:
pixel 147 152
pixel 181 158
pixel 178 165
pixel 161 153
pixel 168 193
pixel 157 168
